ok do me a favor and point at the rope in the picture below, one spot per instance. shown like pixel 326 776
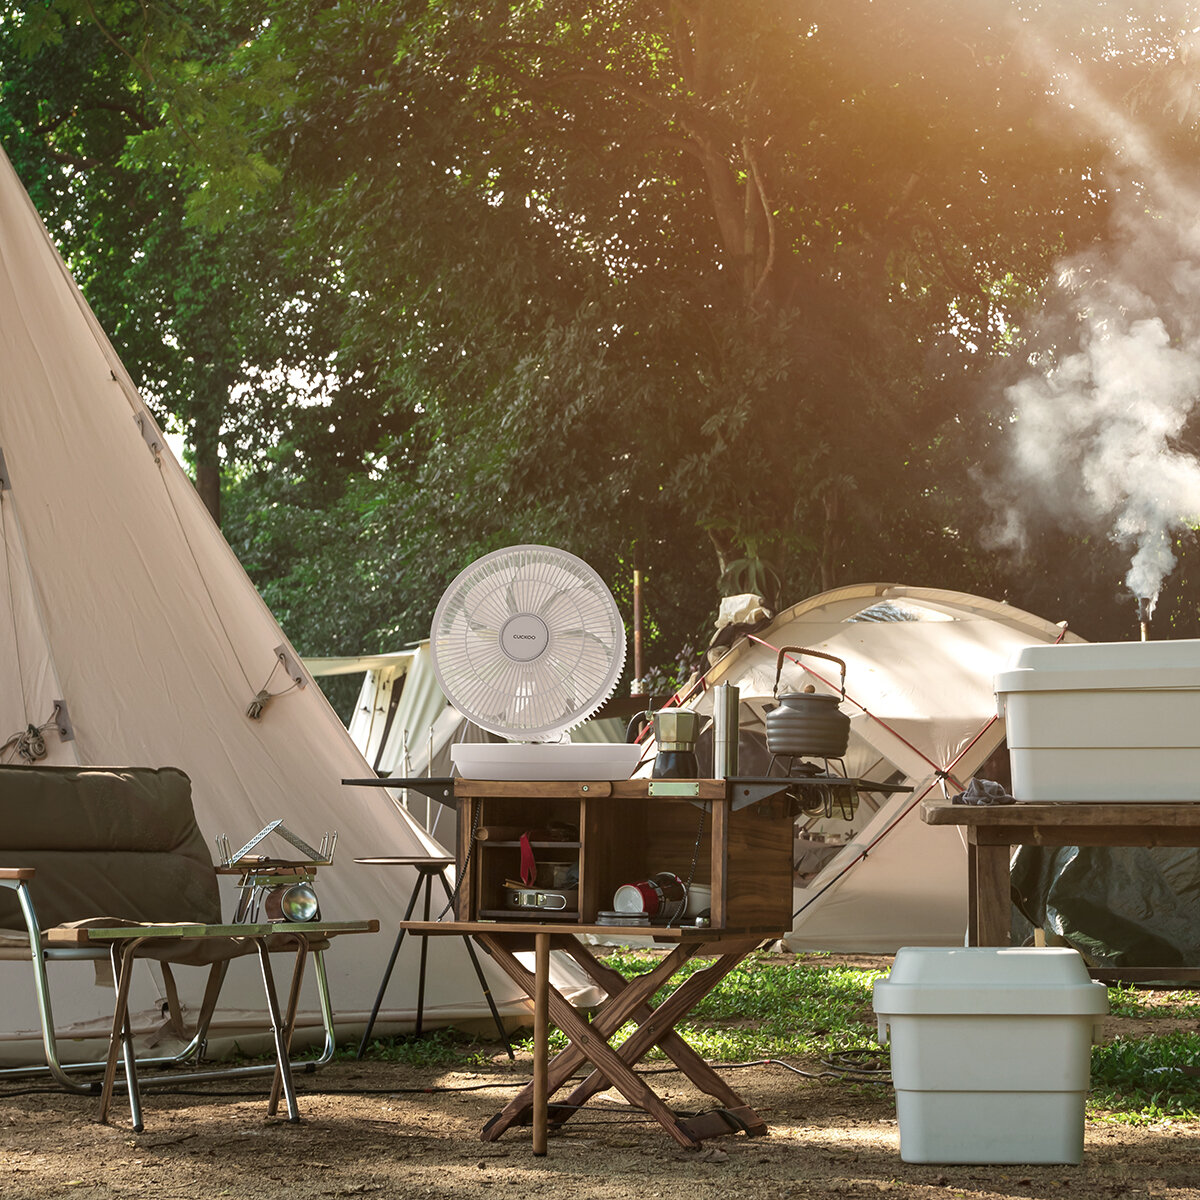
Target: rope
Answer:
pixel 29 743
pixel 263 696
pixel 939 776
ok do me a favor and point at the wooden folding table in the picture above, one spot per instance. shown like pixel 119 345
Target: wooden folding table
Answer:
pixel 590 1040
pixel 993 830
pixel 734 836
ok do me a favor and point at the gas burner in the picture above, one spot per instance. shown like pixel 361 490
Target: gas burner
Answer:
pixel 797 768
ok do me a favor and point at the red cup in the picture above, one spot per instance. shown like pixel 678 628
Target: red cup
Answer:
pixel 644 897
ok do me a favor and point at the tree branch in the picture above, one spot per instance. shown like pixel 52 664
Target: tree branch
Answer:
pixel 756 175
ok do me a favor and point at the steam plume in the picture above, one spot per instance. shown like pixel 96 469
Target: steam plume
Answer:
pixel 1098 424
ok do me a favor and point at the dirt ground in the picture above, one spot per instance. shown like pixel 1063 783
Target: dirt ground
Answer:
pixel 373 1128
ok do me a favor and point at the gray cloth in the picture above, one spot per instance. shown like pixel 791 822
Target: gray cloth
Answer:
pixel 984 791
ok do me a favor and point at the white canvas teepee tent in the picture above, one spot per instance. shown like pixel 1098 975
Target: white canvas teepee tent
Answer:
pixel 920 664
pixel 131 635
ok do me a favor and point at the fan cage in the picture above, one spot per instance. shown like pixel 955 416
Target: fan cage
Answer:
pixel 569 677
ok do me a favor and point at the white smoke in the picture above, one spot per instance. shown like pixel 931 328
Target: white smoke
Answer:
pixel 1096 429
pixel 1099 423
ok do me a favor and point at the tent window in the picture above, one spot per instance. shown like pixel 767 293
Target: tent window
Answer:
pixel 897 610
pixel 393 704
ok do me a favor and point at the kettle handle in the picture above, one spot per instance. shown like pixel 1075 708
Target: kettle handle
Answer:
pixel 815 654
pixel 637 723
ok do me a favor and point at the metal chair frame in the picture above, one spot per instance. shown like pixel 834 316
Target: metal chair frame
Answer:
pixel 42 954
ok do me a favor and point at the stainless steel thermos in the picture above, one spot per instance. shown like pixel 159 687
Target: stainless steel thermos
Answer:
pixel 725 730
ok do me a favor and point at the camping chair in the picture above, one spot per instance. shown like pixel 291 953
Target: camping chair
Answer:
pixel 109 864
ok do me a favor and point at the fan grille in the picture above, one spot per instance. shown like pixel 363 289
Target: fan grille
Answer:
pixel 527 642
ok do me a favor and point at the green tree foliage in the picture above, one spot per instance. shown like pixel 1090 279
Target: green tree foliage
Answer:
pixel 697 277
pixel 708 286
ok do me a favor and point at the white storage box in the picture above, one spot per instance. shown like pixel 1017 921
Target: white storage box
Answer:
pixel 991 1052
pixel 1104 721
pixel 548 760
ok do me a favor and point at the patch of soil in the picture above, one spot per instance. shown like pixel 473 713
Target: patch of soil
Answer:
pixel 375 1128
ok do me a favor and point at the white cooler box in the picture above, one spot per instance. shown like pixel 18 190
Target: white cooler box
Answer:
pixel 1104 721
pixel 991 1052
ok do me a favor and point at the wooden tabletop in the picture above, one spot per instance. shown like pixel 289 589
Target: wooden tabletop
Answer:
pixel 660 933
pixel 1026 812
pixel 82 936
pixel 407 860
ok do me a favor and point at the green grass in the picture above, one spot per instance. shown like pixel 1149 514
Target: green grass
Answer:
pixel 803 1012
pixel 765 1010
pixel 1125 1001
pixel 1144 1080
pixel 438 1048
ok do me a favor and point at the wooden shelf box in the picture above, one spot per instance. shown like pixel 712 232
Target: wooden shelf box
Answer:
pixel 621 833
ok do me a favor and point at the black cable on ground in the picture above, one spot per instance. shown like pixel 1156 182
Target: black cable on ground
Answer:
pixel 844 1065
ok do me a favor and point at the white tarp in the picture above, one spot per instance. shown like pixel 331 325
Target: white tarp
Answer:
pixel 120 597
pixel 920 664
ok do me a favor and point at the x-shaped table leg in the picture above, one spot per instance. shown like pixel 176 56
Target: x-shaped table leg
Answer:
pixel 614 1068
pixel 657 1028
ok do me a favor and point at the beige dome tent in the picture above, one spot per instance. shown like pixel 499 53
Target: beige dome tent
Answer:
pixel 919 669
pixel 130 635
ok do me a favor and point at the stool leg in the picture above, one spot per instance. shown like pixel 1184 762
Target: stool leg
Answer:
pixel 387 974
pixel 424 958
pixel 483 983
pixel 121 1042
pixel 289 1019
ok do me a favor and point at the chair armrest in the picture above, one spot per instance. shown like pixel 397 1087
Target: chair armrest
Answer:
pixel 17 873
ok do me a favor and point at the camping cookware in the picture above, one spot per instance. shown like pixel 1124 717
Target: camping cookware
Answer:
pixel 660 894
pixel 675 732
pixel 808 723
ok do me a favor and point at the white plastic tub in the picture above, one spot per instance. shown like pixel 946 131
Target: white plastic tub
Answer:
pixel 1104 721
pixel 545 761
pixel 991 1052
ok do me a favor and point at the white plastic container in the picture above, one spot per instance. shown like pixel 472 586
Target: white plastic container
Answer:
pixel 991 1052
pixel 1104 721
pixel 545 761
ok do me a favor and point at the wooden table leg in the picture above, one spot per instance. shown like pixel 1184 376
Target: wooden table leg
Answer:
pixel 622 1005
pixel 595 1048
pixel 669 1041
pixel 658 1028
pixel 541 1039
pixel 991 893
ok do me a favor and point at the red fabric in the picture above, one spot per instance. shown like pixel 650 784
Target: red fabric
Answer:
pixel 528 862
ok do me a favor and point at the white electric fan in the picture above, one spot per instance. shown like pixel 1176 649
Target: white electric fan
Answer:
pixel 527 643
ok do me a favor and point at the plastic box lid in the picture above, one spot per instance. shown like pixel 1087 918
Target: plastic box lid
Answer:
pixel 981 980
pixel 1103 666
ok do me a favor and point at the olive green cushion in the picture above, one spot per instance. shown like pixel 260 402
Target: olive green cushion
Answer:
pixel 118 842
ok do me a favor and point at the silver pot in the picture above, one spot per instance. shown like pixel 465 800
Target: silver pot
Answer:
pixel 807 724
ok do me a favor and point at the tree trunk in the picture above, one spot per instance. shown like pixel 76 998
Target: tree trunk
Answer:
pixel 208 484
pixel 206 446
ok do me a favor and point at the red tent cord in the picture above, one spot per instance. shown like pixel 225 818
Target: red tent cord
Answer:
pixel 915 801
pixel 857 703
pixel 942 773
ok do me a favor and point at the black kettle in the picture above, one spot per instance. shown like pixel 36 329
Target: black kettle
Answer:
pixel 807 724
